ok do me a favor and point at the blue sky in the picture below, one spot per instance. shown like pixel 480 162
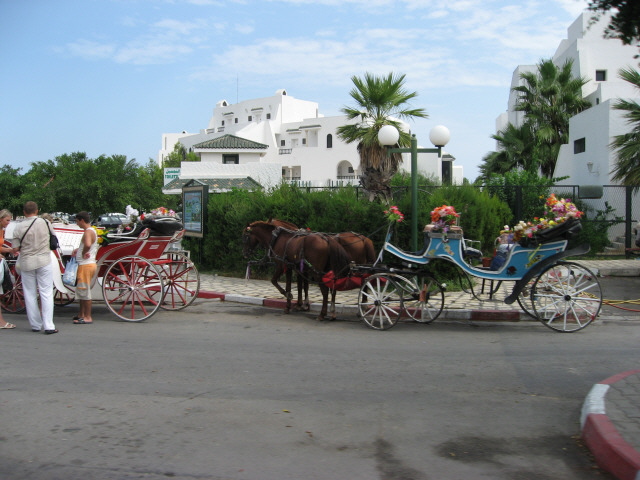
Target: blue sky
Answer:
pixel 111 76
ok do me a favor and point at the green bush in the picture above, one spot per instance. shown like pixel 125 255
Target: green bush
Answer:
pixel 337 210
pixel 595 228
pixel 481 216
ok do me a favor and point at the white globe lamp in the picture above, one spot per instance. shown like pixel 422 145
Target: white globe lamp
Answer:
pixel 388 135
pixel 439 135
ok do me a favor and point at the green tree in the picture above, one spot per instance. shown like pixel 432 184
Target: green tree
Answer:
pixel 149 194
pixel 627 145
pixel 12 184
pixel 549 98
pixel 379 100
pixel 516 150
pixel 178 156
pixel 625 21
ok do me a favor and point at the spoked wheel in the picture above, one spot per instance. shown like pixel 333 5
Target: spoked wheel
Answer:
pixel 524 299
pixel 566 297
pixel 380 301
pixel 181 280
pixel 13 300
pixel 133 288
pixel 422 297
pixel 62 299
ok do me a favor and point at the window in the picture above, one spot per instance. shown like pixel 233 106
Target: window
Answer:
pixel 223 123
pixel 304 141
pixel 268 116
pixel 329 141
pixel 235 120
pixel 601 75
pixel 250 118
pixel 230 159
pixel 580 145
pixel 282 143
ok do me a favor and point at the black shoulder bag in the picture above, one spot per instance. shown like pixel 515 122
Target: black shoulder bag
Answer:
pixel 53 238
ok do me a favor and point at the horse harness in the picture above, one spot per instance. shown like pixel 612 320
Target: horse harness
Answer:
pixel 298 265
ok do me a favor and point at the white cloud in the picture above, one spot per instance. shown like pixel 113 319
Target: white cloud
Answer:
pixel 90 50
pixel 244 28
pixel 175 27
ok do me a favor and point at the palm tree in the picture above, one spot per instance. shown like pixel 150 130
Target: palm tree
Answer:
pixel 627 168
pixel 549 98
pixel 516 151
pixel 379 101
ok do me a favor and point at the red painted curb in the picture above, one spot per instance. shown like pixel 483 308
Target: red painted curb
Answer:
pixel 611 451
pixel 274 303
pixel 202 294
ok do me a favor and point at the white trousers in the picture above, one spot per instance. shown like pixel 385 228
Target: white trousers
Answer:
pixel 34 282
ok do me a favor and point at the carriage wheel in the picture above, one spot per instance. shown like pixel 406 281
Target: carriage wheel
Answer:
pixel 132 288
pixel 380 301
pixel 566 297
pixel 524 299
pixel 181 280
pixel 422 297
pixel 13 300
pixel 62 299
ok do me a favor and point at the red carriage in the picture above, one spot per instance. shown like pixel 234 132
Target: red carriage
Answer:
pixel 138 272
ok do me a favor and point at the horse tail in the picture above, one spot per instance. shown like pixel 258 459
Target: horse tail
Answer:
pixel 338 258
pixel 369 250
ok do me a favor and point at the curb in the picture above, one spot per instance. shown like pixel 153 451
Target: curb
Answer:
pixel 611 451
pixel 482 315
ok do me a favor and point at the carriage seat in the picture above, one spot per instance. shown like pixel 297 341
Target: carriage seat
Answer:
pixel 158 227
pixel 564 231
pixel 162 226
pixel 455 232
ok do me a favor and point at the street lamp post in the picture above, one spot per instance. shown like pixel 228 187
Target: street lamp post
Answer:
pixel 388 135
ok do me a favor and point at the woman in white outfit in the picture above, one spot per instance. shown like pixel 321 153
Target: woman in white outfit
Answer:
pixel 31 241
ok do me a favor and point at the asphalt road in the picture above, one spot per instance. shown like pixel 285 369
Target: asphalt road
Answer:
pixel 232 391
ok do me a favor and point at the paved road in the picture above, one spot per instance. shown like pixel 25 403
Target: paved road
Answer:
pixel 233 391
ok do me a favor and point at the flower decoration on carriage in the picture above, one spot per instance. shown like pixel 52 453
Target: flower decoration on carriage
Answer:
pixel 444 217
pixel 394 214
pixel 159 212
pixel 101 233
pixel 557 211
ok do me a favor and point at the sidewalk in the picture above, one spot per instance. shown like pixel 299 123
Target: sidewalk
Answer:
pixel 610 419
pixel 458 305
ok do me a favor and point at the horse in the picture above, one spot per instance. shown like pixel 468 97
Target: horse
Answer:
pixel 309 254
pixel 359 248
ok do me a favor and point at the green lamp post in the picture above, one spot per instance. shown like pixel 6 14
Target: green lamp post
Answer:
pixel 388 136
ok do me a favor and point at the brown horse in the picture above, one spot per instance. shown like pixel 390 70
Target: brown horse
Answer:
pixel 309 254
pixel 359 248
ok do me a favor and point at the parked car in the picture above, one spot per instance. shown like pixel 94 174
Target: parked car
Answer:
pixel 110 220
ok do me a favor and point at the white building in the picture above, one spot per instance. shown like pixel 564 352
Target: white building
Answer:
pixel 273 139
pixel 587 158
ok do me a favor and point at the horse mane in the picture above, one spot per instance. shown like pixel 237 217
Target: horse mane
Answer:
pixel 283 223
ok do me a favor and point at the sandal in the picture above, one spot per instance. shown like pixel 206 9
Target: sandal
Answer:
pixel 7 326
pixel 81 321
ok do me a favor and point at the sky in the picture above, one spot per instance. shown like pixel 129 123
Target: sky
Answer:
pixel 109 77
